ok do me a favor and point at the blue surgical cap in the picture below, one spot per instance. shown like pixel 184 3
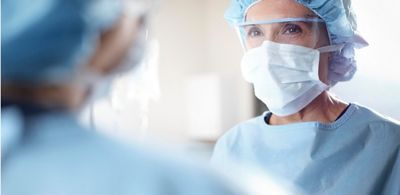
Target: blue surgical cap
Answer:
pixel 47 40
pixel 341 24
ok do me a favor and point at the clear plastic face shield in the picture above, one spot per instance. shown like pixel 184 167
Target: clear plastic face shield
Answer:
pixel 126 50
pixel 283 60
pixel 121 101
pixel 139 11
pixel 295 31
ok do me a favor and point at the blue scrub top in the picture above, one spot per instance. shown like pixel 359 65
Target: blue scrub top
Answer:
pixel 357 154
pixel 50 153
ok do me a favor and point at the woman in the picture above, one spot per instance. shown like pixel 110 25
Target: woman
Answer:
pixel 296 51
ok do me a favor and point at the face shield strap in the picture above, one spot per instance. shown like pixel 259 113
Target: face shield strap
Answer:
pixel 247 10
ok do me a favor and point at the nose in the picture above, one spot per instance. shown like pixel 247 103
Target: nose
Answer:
pixel 269 33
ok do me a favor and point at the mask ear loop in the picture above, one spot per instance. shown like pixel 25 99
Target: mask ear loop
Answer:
pixel 328 49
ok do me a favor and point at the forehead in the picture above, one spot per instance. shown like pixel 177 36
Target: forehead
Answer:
pixel 274 9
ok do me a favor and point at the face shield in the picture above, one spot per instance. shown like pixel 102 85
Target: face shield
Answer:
pixel 139 11
pixel 283 61
pixel 294 31
pixel 119 105
pixel 122 112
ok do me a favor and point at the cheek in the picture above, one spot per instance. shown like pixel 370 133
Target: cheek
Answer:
pixel 323 68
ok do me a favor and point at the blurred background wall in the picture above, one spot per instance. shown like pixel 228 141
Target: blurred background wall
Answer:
pixel 377 81
pixel 202 92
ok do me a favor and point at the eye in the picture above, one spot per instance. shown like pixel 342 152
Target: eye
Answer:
pixel 292 29
pixel 254 32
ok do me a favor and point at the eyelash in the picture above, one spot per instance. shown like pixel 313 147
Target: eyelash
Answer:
pixel 289 27
pixel 252 30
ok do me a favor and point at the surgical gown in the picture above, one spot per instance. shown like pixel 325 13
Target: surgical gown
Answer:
pixel 51 154
pixel 359 153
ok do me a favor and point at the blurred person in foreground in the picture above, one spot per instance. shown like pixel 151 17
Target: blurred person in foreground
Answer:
pixel 58 55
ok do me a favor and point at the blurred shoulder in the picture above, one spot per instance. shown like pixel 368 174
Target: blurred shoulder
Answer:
pixel 66 156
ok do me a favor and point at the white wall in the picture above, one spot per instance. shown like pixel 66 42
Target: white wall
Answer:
pixel 377 81
pixel 196 42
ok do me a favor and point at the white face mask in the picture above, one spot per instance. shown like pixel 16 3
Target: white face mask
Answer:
pixel 285 77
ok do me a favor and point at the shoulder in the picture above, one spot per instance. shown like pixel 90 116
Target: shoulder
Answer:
pixel 369 115
pixel 74 155
pixel 376 122
pixel 240 130
pixel 236 140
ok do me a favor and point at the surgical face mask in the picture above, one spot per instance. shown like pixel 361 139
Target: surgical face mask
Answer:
pixel 285 76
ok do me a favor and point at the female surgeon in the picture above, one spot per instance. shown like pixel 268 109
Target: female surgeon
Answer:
pixel 296 50
pixel 56 55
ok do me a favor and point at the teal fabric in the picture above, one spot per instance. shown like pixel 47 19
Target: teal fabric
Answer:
pixel 55 155
pixel 357 154
pixel 47 40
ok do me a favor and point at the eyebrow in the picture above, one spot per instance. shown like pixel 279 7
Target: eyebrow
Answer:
pixel 308 19
pixel 311 16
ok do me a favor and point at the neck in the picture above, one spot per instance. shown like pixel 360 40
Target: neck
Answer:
pixel 324 109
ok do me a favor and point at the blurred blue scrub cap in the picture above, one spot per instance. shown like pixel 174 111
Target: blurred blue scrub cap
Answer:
pixel 47 40
pixel 341 24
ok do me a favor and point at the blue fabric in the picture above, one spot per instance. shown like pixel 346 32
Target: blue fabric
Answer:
pixel 11 129
pixel 357 154
pixel 47 40
pixel 341 24
pixel 55 155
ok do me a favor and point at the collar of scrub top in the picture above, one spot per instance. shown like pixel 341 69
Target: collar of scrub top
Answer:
pixel 280 20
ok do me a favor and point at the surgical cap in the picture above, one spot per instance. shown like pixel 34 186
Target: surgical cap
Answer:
pixel 341 24
pixel 47 40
